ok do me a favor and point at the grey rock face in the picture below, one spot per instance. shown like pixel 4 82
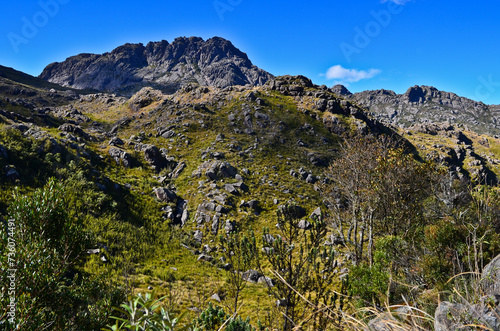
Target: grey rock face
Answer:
pixel 115 141
pixel 165 195
pixel 491 277
pixel 121 157
pixel 161 65
pixel 251 276
pixel 341 90
pixel 266 280
pixel 215 169
pixel 453 316
pixel 304 225
pixel 156 158
pixel 426 104
pixel 182 212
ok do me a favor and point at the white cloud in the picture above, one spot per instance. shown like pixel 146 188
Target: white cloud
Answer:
pixel 397 2
pixel 344 75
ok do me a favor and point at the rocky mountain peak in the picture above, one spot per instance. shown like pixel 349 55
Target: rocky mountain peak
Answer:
pixel 162 65
pixel 341 90
pixel 427 104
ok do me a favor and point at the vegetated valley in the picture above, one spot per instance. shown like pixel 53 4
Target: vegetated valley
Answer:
pixel 179 187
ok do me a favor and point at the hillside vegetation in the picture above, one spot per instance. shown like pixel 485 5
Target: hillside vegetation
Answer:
pixel 278 207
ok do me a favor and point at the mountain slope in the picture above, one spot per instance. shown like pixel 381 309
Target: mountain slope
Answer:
pixel 165 66
pixel 207 160
pixel 16 76
pixel 424 104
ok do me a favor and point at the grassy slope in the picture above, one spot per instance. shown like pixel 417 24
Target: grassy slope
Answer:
pixel 272 160
pixel 128 228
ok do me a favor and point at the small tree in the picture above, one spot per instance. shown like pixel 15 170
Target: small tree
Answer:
pixel 375 187
pixel 240 253
pixel 303 265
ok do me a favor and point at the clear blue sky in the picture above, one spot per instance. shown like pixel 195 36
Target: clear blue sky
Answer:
pixel 452 45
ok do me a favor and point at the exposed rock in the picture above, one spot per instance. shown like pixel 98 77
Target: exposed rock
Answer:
pixel 269 238
pixel 490 280
pixel 230 226
pixel 220 137
pixel 252 204
pixel 178 170
pixel 216 297
pixel 74 129
pixel 157 159
pixel 144 97
pixel 266 280
pixel 316 214
pixel 215 225
pixel 310 179
pixel 453 316
pixel 251 276
pixel 214 170
pixel 304 225
pixel 341 90
pixel 162 65
pixel 121 157
pixel 115 141
pixel 182 212
pixel 317 160
pixel 334 240
pixel 231 189
pixel 164 194
pixel 389 321
pixel 240 185
pixel 20 127
pixel 206 258
pixel 198 236
pixel 426 104
pixel 120 124
pixel 448 316
pixel 292 211
pixel 261 116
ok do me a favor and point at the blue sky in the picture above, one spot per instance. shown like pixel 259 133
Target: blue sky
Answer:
pixel 391 44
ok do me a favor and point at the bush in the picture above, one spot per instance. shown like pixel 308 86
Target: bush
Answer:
pixel 142 312
pixel 49 248
pixel 214 317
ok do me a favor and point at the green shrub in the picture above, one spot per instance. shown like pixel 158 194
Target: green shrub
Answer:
pixel 51 292
pixel 144 313
pixel 212 318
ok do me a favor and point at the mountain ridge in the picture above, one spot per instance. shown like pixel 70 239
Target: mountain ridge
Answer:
pixel 162 65
pixel 424 105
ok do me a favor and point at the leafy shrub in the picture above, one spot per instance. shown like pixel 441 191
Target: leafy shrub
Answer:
pixel 142 312
pixel 50 245
pixel 212 318
pixel 369 285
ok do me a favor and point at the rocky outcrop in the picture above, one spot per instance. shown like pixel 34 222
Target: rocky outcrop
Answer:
pixel 485 313
pixel 158 158
pixel 121 157
pixel 426 104
pixel 144 97
pixel 215 169
pixel 162 65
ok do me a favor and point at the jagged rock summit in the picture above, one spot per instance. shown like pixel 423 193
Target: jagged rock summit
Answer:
pixel 424 105
pixel 162 65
